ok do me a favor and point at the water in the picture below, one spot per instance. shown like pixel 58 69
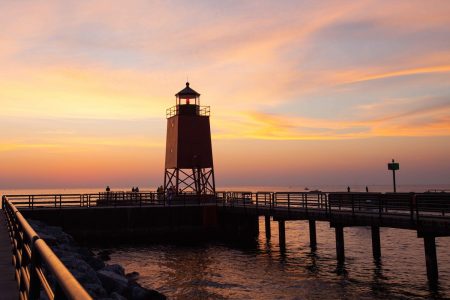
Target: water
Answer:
pixel 258 270
pixel 261 271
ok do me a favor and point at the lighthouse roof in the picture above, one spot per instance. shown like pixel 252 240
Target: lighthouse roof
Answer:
pixel 187 92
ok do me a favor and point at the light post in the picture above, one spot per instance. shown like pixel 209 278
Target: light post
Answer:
pixel 394 166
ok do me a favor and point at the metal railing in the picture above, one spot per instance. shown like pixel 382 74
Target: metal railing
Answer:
pixel 34 261
pixel 200 111
pixel 415 205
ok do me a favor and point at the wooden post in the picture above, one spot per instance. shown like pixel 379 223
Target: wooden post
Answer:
pixel 267 223
pixel 431 258
pixel 340 252
pixel 376 243
pixel 312 234
pixel 282 234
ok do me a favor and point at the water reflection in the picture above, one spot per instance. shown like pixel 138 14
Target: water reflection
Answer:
pixel 260 269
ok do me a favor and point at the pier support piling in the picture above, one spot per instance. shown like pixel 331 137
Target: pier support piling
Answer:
pixel 376 243
pixel 431 258
pixel 340 250
pixel 267 223
pixel 282 234
pixel 312 234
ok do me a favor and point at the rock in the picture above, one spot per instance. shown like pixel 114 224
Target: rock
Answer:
pixel 132 277
pixel 112 282
pixel 90 258
pixel 118 269
pixel 101 281
pixel 136 292
pixel 95 290
pixel 84 273
pixel 117 296
pixel 104 255
pixel 95 263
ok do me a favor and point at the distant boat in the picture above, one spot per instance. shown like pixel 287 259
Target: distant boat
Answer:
pixel 306 189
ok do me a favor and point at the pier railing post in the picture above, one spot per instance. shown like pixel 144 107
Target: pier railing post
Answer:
pixel 416 203
pixel 380 206
pixel 412 199
pixel 353 204
pixel 35 283
pixel 289 202
pixel 272 201
pixel 328 206
pixel 305 196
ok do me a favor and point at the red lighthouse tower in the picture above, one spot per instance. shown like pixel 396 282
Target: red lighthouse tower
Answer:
pixel 189 162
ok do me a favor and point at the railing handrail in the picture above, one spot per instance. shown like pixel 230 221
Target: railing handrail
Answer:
pixel 29 266
pixel 385 203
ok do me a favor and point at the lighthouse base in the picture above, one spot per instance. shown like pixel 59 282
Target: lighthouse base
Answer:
pixel 199 181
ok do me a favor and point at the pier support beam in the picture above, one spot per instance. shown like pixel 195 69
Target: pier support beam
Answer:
pixel 312 235
pixel 340 250
pixel 431 258
pixel 376 243
pixel 282 234
pixel 267 223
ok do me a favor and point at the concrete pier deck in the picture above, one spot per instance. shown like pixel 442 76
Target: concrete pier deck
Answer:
pixel 8 286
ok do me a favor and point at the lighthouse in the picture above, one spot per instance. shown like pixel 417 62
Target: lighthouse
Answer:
pixel 189 167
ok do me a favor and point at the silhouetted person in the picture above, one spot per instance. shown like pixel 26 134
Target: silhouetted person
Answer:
pixel 107 192
pixel 367 189
pixel 136 189
pixel 160 192
pixel 170 194
pixel 348 189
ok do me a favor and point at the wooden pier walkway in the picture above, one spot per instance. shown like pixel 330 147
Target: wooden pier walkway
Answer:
pixel 8 286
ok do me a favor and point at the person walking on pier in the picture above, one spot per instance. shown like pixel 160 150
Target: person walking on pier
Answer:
pixel 348 189
pixel 108 190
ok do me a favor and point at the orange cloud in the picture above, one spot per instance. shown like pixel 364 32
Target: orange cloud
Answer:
pixel 408 72
pixel 423 121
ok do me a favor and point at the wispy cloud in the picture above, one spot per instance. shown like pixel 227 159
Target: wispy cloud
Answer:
pixel 409 72
pixel 389 118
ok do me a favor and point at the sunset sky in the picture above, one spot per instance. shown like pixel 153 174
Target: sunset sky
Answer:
pixel 301 92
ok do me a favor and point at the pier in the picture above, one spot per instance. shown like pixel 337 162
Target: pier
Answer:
pixel 149 214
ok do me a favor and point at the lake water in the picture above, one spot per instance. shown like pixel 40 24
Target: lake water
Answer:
pixel 259 270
